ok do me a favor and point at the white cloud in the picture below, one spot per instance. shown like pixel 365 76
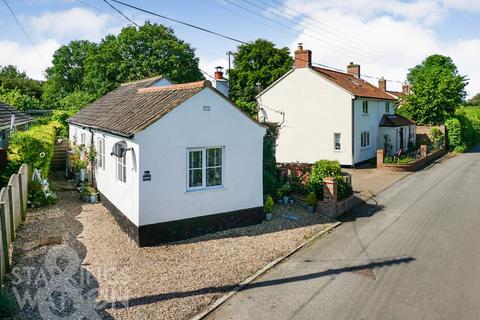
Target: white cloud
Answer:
pixel 75 23
pixel 383 44
pixel 26 58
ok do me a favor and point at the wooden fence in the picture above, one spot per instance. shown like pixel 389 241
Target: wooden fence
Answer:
pixel 13 208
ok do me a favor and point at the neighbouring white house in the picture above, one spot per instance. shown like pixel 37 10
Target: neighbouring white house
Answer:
pixel 327 114
pixel 190 162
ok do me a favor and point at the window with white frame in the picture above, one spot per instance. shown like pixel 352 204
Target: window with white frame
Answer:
pixel 337 140
pixel 122 169
pixel 365 139
pixel 82 138
pixel 205 168
pixel 365 107
pixel 387 107
pixel 101 153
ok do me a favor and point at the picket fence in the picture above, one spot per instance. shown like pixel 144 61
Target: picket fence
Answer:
pixel 13 208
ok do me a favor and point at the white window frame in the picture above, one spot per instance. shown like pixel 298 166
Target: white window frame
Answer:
pixel 121 162
pixel 387 107
pixel 335 141
pixel 101 153
pixel 83 138
pixel 365 139
pixel 365 107
pixel 204 168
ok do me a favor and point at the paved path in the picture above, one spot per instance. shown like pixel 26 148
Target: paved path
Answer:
pixel 413 254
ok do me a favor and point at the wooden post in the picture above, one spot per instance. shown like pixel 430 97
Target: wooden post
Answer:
pixel 23 207
pixel 423 151
pixel 12 218
pixel 3 231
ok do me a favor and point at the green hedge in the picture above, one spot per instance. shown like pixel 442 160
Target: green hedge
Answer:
pixel 454 128
pixel 464 128
pixel 34 147
pixel 326 168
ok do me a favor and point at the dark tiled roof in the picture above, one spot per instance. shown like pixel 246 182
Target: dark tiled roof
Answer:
pixel 134 106
pixel 6 115
pixel 395 120
pixel 357 87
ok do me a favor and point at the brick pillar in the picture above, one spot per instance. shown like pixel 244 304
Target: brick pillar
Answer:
pixel 330 194
pixel 423 151
pixel 380 156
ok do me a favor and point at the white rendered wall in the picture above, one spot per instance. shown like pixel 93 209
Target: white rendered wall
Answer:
pixel 314 109
pixel 123 195
pixel 164 153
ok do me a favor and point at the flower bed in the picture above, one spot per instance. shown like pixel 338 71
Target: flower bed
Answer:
pixel 414 165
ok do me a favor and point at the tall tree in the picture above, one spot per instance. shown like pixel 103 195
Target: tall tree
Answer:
pixel 12 79
pixel 66 75
pixel 437 89
pixel 475 100
pixel 259 62
pixel 137 53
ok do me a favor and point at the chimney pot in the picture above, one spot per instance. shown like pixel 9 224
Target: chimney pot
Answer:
pixel 303 58
pixel 354 70
pixel 218 75
pixel 382 84
pixel 406 88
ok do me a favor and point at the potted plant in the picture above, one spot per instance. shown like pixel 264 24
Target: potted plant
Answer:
pixel 90 194
pixel 285 191
pixel 267 208
pixel 311 202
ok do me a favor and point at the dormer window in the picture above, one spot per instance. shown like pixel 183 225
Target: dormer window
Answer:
pixel 365 107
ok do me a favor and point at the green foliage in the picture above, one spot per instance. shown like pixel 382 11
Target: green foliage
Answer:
pixel 454 129
pixel 138 53
pixel 270 171
pixel 60 117
pixel 89 191
pixel 437 89
pixel 12 79
pixel 311 199
pixel 34 147
pixel 268 206
pixel 256 62
pixel 19 100
pixel 469 118
pixel 66 75
pixel 438 138
pixel 285 189
pixel 326 168
pixel 36 196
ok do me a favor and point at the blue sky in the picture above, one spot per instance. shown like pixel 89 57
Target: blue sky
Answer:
pixel 385 36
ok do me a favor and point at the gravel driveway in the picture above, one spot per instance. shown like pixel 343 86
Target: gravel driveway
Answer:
pixel 172 281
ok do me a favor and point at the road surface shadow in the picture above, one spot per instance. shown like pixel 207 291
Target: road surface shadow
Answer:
pixel 224 289
pixel 363 209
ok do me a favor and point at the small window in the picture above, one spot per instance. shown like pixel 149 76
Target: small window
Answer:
pixel 365 139
pixel 337 141
pixel 101 153
pixel 122 169
pixel 82 138
pixel 387 107
pixel 205 168
pixel 365 107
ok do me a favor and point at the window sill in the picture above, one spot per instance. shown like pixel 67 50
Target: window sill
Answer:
pixel 199 189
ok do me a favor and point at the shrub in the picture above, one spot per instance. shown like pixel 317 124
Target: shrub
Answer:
pixel 270 171
pixel 36 197
pixel 454 133
pixel 326 168
pixel 438 138
pixel 268 206
pixel 312 199
pixel 34 147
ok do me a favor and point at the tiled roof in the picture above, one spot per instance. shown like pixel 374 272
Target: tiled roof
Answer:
pixel 134 106
pixel 6 116
pixel 357 87
pixel 395 120
pixel 398 94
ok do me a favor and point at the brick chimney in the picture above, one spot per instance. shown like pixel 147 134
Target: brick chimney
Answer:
pixel 406 88
pixel 382 84
pixel 303 58
pixel 354 70
pixel 218 75
pixel 219 82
